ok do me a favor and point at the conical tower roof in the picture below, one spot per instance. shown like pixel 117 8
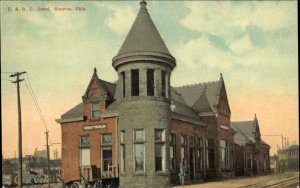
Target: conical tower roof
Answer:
pixel 143 35
pixel 143 38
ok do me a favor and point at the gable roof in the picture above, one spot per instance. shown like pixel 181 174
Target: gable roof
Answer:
pixel 74 112
pixel 180 108
pixel 107 86
pixel 143 35
pixel 246 131
pixel 198 96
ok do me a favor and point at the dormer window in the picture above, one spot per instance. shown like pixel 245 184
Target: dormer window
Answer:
pixel 95 110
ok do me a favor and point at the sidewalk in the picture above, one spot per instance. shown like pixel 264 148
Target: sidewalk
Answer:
pixel 243 181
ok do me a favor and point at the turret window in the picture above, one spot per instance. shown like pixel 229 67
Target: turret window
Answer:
pixel 163 83
pixel 150 82
pixel 123 83
pixel 135 82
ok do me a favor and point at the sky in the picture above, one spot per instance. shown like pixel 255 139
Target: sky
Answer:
pixel 252 43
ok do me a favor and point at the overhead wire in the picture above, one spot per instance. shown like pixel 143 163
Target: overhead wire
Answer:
pixel 30 89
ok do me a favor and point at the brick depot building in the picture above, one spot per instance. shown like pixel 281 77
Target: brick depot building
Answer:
pixel 141 130
pixel 252 152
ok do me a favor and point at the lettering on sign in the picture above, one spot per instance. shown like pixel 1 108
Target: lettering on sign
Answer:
pixel 94 127
pixel 33 179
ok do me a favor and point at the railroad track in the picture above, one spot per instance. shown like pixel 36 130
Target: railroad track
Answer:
pixel 294 181
pixel 279 183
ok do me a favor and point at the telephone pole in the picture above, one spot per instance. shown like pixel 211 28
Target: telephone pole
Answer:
pixel 48 158
pixel 18 80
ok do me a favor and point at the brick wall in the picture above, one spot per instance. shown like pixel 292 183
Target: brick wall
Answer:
pixel 71 133
pixel 182 128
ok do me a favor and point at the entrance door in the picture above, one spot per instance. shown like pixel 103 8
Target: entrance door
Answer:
pixel 192 163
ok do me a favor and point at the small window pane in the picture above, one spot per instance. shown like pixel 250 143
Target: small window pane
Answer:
pixel 139 135
pixel 183 140
pixel 106 139
pixel 172 139
pixel 159 135
pixel 122 139
pixel 139 157
pixel 172 158
pixel 107 158
pixel 158 157
pixel 84 141
pixel 191 141
pixel 95 110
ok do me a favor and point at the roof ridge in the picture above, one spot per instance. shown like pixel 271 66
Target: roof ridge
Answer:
pixel 105 81
pixel 195 84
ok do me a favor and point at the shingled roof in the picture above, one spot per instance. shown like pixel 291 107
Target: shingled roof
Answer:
pixel 143 35
pixel 179 107
pixel 202 97
pixel 246 131
pixel 107 86
pixel 74 112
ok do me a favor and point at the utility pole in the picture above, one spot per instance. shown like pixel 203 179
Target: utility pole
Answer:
pixel 18 80
pixel 281 139
pixel 285 144
pixel 48 158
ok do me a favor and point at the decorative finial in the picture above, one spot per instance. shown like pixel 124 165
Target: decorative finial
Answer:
pixel 255 115
pixel 95 70
pixel 143 4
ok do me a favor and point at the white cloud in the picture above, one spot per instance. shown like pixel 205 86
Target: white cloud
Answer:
pixel 220 18
pixel 242 45
pixel 122 17
pixel 201 51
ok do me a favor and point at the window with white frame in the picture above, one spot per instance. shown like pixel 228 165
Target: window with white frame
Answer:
pixel 84 141
pixel 199 153
pixel 106 159
pixel 95 110
pixel 159 150
pixel 84 151
pixel 172 152
pixel 224 149
pixel 106 148
pixel 139 150
pixel 183 142
pixel 106 139
pixel 210 156
pixel 122 152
